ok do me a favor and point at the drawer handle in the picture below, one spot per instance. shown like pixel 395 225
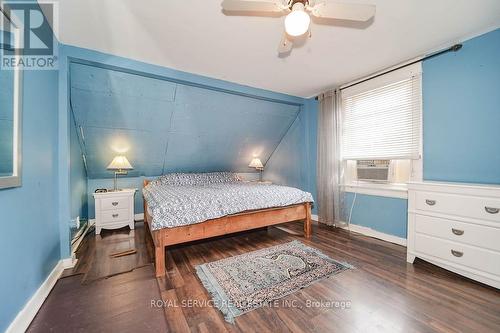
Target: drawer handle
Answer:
pixel 491 210
pixel 114 203
pixel 115 215
pixel 457 253
pixel 457 231
pixel 430 202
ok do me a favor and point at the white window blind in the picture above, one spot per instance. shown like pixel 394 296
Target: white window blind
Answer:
pixel 384 122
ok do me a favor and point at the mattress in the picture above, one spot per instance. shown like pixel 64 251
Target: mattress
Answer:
pixel 182 199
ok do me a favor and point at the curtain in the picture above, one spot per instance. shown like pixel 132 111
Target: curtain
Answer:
pixel 329 163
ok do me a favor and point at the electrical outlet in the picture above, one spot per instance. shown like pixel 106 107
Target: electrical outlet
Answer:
pixel 75 223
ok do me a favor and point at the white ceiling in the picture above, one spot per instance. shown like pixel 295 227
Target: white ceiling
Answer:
pixel 195 36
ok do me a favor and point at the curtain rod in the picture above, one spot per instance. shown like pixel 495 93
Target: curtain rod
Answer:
pixel 453 48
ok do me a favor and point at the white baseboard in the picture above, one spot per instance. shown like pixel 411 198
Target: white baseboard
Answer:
pixel 28 313
pixel 76 245
pixel 370 232
pixel 69 262
pixel 375 234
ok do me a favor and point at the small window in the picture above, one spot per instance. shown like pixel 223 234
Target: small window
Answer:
pixel 381 128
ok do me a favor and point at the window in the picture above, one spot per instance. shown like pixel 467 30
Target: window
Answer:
pixel 382 120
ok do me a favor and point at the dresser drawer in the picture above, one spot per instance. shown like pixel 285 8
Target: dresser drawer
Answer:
pixel 473 257
pixel 116 215
pixel 459 205
pixel 467 233
pixel 115 203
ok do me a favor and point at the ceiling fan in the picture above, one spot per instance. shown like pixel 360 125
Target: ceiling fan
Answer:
pixel 298 14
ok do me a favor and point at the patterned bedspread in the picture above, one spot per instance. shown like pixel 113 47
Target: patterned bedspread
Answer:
pixel 182 199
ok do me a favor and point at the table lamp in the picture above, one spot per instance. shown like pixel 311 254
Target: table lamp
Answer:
pixel 120 164
pixel 257 164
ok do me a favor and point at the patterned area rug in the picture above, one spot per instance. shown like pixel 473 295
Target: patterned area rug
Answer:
pixel 243 283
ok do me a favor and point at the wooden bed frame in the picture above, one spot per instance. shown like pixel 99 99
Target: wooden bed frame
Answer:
pixel 221 226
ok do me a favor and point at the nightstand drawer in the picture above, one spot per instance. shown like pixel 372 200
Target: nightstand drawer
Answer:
pixel 115 203
pixel 116 215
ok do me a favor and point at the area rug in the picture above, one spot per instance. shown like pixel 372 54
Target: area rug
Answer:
pixel 243 283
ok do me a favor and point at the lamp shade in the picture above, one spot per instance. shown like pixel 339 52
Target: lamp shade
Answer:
pixel 120 162
pixel 256 163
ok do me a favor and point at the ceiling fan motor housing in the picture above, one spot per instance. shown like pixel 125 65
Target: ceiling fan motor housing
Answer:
pixel 293 2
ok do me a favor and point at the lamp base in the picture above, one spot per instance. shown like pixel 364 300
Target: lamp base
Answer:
pixel 260 173
pixel 119 172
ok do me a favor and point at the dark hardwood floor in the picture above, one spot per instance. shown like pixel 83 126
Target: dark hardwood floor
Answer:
pixel 383 293
pixel 117 304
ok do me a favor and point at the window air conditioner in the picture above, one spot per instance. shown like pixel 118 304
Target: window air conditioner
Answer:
pixel 373 170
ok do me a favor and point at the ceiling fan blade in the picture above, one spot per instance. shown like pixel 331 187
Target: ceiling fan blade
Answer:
pixel 285 46
pixel 343 11
pixel 253 6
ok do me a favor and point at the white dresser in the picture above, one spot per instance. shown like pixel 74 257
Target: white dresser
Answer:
pixel 457 227
pixel 114 209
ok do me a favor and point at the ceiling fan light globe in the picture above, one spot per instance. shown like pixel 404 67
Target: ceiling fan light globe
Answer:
pixel 297 22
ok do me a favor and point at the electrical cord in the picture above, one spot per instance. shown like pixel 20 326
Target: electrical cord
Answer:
pixel 352 206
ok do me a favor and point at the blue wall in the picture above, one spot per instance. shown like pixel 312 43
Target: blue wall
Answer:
pixel 461 100
pixel 461 135
pixel 286 164
pixel 164 126
pixel 387 215
pixel 78 174
pixel 29 241
pixel 293 162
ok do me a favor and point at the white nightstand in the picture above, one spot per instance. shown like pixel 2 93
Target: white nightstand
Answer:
pixel 114 209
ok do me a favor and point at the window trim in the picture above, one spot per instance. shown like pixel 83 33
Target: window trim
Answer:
pixel 392 190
